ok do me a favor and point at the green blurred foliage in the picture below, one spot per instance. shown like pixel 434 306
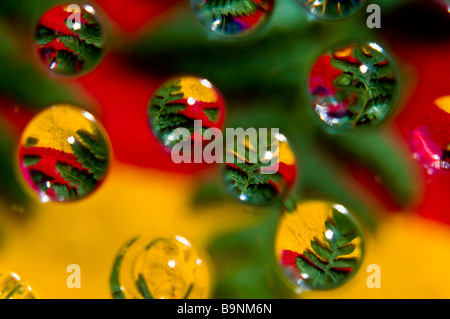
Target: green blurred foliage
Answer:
pixel 22 81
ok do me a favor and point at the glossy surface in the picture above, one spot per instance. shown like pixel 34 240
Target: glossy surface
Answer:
pixel 181 101
pixel 63 154
pixel 318 245
pixel 353 86
pixel 12 287
pixel 260 170
pixel 69 39
pixel 160 268
pixel 430 139
pixel 332 9
pixel 233 17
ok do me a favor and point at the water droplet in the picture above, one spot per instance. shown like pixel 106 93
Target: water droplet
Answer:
pixel 260 168
pixel 179 102
pixel 318 246
pixel 429 137
pixel 63 155
pixel 12 287
pixel 332 9
pixel 353 86
pixel 70 40
pixel 233 18
pixel 445 4
pixel 160 268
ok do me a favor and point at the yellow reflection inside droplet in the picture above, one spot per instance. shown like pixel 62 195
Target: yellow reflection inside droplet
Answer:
pixel 55 127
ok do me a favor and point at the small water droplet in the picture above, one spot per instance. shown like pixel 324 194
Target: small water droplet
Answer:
pixel 233 18
pixel 353 86
pixel 179 102
pixel 331 9
pixel 12 287
pixel 70 42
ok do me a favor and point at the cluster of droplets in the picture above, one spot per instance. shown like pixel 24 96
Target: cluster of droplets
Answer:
pixel 156 267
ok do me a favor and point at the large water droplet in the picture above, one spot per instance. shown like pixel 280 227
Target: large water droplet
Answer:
pixel 160 268
pixel 64 154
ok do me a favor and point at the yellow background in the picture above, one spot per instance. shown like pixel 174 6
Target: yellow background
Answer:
pixel 413 253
